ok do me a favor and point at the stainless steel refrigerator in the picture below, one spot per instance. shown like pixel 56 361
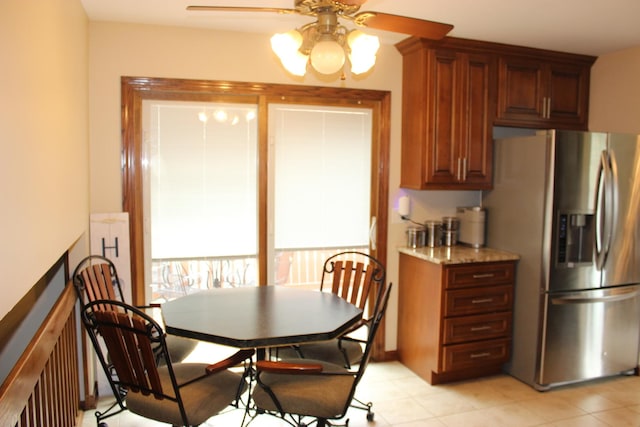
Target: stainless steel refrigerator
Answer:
pixel 568 203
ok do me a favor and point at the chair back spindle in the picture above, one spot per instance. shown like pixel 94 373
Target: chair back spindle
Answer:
pixel 353 276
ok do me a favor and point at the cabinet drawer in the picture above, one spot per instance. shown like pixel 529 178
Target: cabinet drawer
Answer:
pixel 481 274
pixel 461 302
pixel 474 328
pixel 464 356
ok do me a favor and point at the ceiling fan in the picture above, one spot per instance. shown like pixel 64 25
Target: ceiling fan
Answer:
pixel 322 43
pixel 349 9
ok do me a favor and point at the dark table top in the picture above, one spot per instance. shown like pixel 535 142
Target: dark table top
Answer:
pixel 258 317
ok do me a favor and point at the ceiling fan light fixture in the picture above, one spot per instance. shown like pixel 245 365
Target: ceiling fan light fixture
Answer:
pixel 295 47
pixel 327 56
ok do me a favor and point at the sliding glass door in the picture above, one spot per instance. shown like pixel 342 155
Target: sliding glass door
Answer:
pixel 201 193
pixel 252 217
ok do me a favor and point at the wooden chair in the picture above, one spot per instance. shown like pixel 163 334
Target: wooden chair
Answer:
pixel 295 389
pixel 181 394
pixel 358 278
pixel 95 277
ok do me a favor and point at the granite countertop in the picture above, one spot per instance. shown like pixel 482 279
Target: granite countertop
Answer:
pixel 459 254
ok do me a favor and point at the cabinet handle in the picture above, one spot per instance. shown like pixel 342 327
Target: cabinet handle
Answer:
pixel 481 300
pixel 479 355
pixel 458 176
pixel 483 276
pixel 464 169
pixel 546 107
pixel 480 328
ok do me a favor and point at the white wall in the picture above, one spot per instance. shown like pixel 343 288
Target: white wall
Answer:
pixel 615 92
pixel 43 135
pixel 154 51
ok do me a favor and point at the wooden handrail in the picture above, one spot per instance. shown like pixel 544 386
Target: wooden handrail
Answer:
pixel 42 389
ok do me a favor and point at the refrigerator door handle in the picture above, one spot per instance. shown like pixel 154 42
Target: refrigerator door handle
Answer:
pixel 578 299
pixel 604 210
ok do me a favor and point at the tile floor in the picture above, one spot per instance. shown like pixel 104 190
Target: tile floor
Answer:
pixel 401 399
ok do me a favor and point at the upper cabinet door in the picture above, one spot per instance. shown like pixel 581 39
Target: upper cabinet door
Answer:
pixel 478 107
pixel 448 110
pixel 536 93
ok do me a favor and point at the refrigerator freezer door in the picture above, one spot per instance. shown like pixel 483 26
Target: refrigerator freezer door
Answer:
pixel 622 264
pixel 589 334
pixel 575 180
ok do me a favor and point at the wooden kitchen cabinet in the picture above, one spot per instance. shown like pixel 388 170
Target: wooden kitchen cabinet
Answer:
pixel 454 320
pixel 544 93
pixel 448 105
pixel 455 90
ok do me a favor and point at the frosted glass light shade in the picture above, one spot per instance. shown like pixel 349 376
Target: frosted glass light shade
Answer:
pixel 364 48
pixel 327 56
pixel 296 63
pixel 286 46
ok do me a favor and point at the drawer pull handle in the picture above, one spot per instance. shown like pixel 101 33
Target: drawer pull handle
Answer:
pixel 480 328
pixel 479 355
pixel 481 300
pixel 483 276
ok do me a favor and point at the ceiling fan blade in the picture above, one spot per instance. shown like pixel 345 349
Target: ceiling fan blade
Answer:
pixel 240 9
pixel 402 24
pixel 353 2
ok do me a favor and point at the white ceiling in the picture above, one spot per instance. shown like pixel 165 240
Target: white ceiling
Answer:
pixel 592 27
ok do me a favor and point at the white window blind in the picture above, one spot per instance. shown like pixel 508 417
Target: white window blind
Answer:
pixel 322 176
pixel 202 160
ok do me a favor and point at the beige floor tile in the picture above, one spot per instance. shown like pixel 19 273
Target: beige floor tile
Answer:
pixel 432 422
pixel 399 411
pixel 587 399
pixel 445 403
pixel 621 417
pixel 582 421
pixel 514 414
pixel 552 408
pixel 475 418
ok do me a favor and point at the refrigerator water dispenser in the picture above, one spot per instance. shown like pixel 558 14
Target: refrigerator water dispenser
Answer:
pixel 575 239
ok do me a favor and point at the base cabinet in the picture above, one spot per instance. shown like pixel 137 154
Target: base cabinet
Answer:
pixel 454 321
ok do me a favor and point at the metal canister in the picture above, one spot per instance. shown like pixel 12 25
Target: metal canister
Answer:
pixel 450 223
pixel 434 233
pixel 416 237
pixel 450 237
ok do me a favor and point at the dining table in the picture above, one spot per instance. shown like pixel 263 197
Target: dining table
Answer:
pixel 259 317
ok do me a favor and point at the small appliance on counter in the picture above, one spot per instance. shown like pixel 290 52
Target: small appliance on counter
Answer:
pixel 472 224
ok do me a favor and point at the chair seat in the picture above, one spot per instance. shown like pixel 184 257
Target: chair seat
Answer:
pixel 180 347
pixel 202 399
pixel 327 351
pixel 307 394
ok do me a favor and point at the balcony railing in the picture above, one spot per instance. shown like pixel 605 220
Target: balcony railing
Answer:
pixel 175 277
